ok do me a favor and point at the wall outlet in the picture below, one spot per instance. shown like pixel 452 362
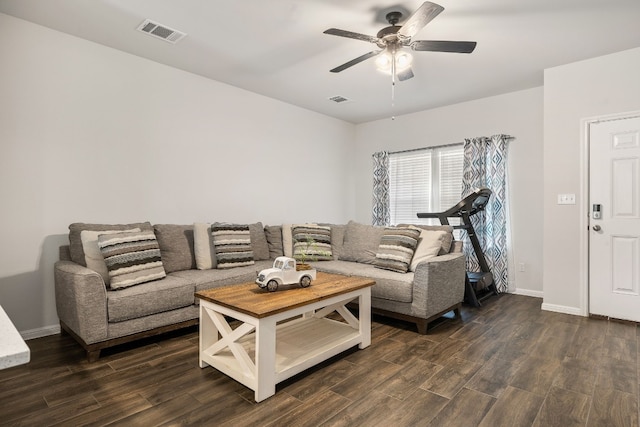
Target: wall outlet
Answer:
pixel 521 267
pixel 566 199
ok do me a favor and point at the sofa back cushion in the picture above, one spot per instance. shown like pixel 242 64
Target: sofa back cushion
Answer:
pixel 456 247
pixel 75 241
pixel 361 242
pixel 273 234
pixel 176 246
pixel 64 253
pixel 337 238
pixel 259 244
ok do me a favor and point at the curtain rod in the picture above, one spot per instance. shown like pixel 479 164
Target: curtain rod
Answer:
pixel 436 146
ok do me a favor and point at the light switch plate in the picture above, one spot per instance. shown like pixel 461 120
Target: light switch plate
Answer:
pixel 566 199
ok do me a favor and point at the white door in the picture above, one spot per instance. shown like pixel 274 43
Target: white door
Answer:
pixel 614 239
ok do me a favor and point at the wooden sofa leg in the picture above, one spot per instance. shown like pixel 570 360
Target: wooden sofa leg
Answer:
pixel 93 355
pixel 422 327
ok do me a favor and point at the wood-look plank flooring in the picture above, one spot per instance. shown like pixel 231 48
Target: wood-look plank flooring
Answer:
pixel 505 364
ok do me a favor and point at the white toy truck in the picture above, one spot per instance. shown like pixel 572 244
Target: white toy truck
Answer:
pixel 285 271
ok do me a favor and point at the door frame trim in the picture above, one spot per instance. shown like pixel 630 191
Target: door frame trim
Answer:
pixel 585 135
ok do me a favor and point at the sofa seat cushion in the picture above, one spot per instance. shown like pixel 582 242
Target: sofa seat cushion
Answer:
pixel 149 298
pixel 215 278
pixel 389 284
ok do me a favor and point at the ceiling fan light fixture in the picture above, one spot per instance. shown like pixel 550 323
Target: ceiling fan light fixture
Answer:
pixel 383 62
pixel 403 61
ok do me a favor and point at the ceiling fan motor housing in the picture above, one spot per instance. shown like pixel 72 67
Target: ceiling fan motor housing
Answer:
pixel 388 35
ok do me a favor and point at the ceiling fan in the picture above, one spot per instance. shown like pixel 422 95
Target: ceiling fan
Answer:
pixel 392 39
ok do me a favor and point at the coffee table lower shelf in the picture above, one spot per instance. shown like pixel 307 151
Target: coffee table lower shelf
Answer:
pixel 261 352
pixel 301 343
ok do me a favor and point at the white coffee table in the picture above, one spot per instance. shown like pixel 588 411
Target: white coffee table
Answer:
pixel 282 333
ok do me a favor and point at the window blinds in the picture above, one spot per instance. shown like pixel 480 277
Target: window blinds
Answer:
pixel 428 180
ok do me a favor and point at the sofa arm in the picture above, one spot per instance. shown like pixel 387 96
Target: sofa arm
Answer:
pixel 438 284
pixel 81 300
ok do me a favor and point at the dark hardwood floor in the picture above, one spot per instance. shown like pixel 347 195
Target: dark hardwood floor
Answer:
pixel 506 364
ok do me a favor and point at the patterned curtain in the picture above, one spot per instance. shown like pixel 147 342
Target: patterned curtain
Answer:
pixel 485 165
pixel 381 188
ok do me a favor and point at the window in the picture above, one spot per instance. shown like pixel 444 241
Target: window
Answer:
pixel 428 180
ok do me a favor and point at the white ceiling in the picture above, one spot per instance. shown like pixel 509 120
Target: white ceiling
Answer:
pixel 276 48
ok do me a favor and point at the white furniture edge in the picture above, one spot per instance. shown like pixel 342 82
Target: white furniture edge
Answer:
pixel 13 350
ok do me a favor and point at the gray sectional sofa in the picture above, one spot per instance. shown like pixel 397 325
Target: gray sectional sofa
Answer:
pixel 99 317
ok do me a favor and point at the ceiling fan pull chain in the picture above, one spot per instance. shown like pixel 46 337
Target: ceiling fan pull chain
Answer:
pixel 393 82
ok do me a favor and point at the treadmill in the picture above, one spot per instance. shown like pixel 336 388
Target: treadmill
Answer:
pixel 478 285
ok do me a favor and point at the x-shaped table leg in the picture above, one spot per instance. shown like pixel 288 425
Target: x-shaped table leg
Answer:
pixel 229 338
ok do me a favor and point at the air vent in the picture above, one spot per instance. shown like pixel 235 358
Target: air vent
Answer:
pixel 161 31
pixel 339 99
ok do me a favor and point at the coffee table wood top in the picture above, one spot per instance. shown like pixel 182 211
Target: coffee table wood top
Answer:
pixel 249 299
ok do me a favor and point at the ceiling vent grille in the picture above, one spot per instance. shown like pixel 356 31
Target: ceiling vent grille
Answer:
pixel 161 31
pixel 339 99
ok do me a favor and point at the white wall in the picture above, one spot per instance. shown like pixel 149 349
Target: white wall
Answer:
pixel 595 87
pixel 518 114
pixel 92 134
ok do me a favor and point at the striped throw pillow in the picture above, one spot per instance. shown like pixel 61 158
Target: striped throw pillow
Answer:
pixel 131 258
pixel 232 244
pixel 311 242
pixel 396 249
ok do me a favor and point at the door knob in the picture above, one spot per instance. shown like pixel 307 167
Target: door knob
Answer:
pixel 596 228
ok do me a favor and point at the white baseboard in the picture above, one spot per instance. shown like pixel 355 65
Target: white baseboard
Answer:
pixel 561 309
pixel 528 293
pixel 40 332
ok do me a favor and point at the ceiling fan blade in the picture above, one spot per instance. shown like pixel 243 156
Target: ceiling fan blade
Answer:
pixel 351 35
pixel 443 46
pixel 355 61
pixel 420 18
pixel 405 74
